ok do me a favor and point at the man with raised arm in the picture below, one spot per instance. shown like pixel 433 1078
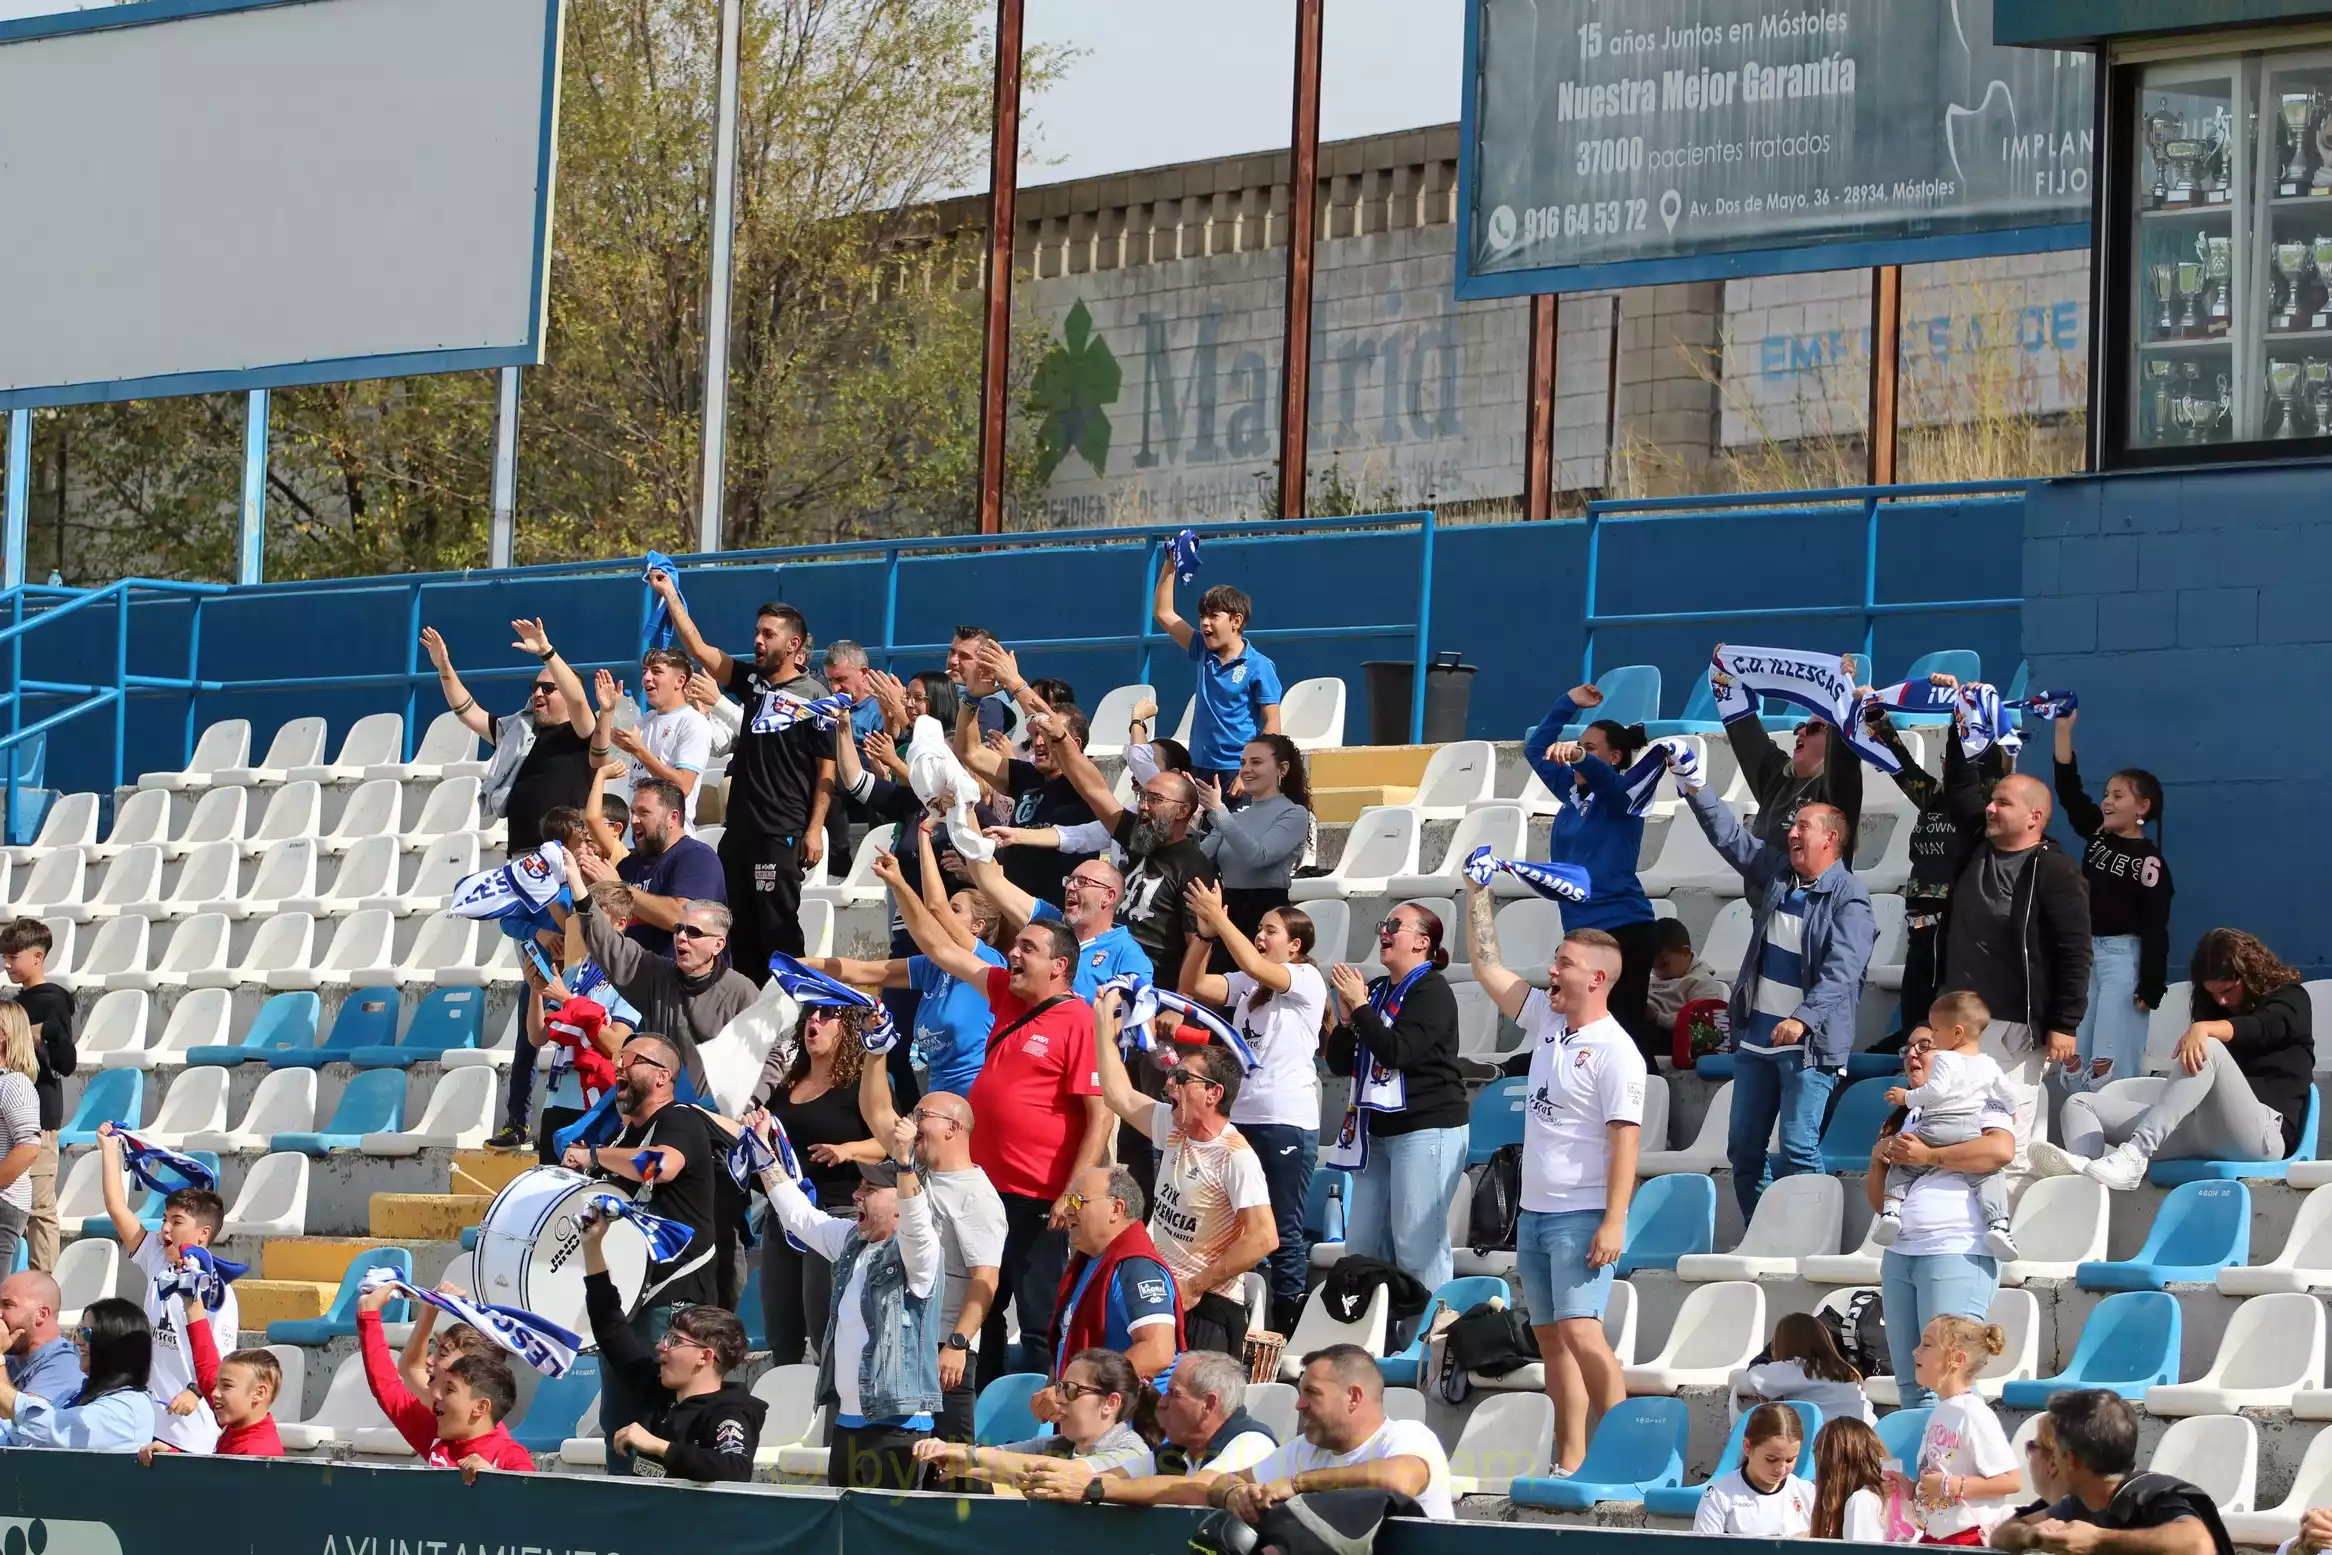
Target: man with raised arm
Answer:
pixel 542 754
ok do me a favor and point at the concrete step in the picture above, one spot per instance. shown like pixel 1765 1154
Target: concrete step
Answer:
pixel 313 1259
pixel 262 1302
pixel 1362 765
pixel 490 1171
pixel 1344 804
pixel 427 1217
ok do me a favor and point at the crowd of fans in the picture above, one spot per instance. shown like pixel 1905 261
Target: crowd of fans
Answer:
pixel 1050 1138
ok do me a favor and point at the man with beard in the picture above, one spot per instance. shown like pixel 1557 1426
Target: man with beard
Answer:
pixel 1041 794
pixel 689 994
pixel 668 1149
pixel 781 777
pixel 666 868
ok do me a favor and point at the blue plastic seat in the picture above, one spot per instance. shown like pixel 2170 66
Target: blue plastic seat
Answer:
pixel 1714 1066
pixel 749 1310
pixel 116 1096
pixel 1965 664
pixel 369 1015
pixel 1684 1501
pixel 1496 1119
pixel 1631 695
pixel 2129 1344
pixel 339 1320
pixel 285 1023
pixel 1699 716
pixel 374 1103
pixel 549 1417
pixel 1669 1216
pixel 2201 1228
pixel 1002 1413
pixel 448 1019
pixel 1637 1449
pixel 1462 1294
pixel 1853 1128
pixel 2169 1174
pixel 1869 1066
pixel 1900 1432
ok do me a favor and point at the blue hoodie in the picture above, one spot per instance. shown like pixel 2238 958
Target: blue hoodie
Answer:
pixel 1603 838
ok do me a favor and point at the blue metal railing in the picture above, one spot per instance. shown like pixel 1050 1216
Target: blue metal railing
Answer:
pixel 892 553
pixel 1873 501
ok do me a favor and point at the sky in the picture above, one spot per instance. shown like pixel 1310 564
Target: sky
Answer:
pixel 1182 81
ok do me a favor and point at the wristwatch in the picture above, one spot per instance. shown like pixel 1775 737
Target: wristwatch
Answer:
pixel 956 1342
pixel 1096 1492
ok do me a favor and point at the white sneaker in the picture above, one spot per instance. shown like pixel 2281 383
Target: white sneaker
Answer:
pixel 2055 1161
pixel 1999 1243
pixel 1886 1228
pixel 2121 1168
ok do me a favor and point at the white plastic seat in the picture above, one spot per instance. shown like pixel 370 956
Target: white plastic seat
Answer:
pixel 57 878
pixel 1316 1329
pixel 1530 931
pixel 367 874
pixel 1707 1152
pixel 117 949
pixel 1534 801
pixel 225 744
pixel 299 743
pixel 1502 828
pixel 1718 1329
pixel 86 1271
pixel 2319 992
pixel 1458 774
pixel 360 941
pixel 142 819
pixel 64 936
pixel 2217 1454
pixel 1311 713
pixel 196 1103
pixel 445 863
pixel 859 886
pixel 2017 1314
pixel 283 942
pixel 444 953
pixel 1891 947
pixel 1688 861
pixel 1478 1028
pixel 199 1019
pixel 284 1103
pixel 116 1026
pixel 790 1393
pixel 373 740
pixel 1889 866
pixel 1274 1403
pixel 2166 1024
pixel 2305 1263
pixel 2311 1487
pixel 286 873
pixel 196 943
pixel 452 806
pixel 133 877
pixel 81 1193
pixel 1881 795
pixel 1727 940
pixel 817 920
pixel 1111 720
pixel 1381 843
pixel 1509 1436
pixel 447 749
pixel 206 880
pixel 2272 1349
pixel 348 1409
pixel 2059 1224
pixel 273 1200
pixel 1797 1217
pixel 587 1448
pixel 294 810
pixel 291 1404
pixel 1860 1267
pixel 459 1116
pixel 70 822
pixel 220 816
pixel 374 810
pixel 1619 1331
pixel 1331 928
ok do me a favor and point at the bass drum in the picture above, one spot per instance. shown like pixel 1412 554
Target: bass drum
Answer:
pixel 530 1252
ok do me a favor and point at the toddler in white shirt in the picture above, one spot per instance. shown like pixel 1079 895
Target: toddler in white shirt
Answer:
pixel 1953 1086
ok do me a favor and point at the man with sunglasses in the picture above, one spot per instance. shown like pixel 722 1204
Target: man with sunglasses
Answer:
pixel 1819 769
pixel 1117 1293
pixel 691 995
pixel 1105 949
pixel 542 753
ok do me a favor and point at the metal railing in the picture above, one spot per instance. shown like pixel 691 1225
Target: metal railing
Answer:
pixel 1874 502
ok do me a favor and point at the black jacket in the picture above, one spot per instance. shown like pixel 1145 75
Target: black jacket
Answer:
pixel 1421 1042
pixel 1767 768
pixel 2052 906
pixel 1352 1283
pixel 2275 1046
pixel 1949 826
pixel 712 1435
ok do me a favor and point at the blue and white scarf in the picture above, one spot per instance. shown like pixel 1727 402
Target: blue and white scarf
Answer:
pixel 1555 882
pixel 781 710
pixel 1143 1001
pixel 1182 552
pixel 1375 1088
pixel 1814 681
pixel 667 1239
pixel 538 1341
pixel 149 1162
pixel 1982 717
pixel 2048 706
pixel 749 1158
pixel 519 894
pixel 201 1275
pixel 814 989
pixel 656 630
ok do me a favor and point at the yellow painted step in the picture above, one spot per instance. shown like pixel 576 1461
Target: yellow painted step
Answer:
pixel 407 1218
pixel 463 1182
pixel 1363 766
pixel 491 1170
pixel 261 1302
pixel 312 1260
pixel 1345 804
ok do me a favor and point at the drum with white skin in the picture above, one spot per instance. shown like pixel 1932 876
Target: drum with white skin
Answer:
pixel 530 1251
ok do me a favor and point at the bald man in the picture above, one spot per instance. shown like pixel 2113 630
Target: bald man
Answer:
pixel 1581 1132
pixel 2016 933
pixel 41 1361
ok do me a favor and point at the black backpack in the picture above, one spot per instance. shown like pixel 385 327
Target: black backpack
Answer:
pixel 1497 1202
pixel 1493 1339
pixel 1861 1334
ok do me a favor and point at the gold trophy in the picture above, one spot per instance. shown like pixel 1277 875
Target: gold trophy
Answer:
pixel 2299 117
pixel 2190 278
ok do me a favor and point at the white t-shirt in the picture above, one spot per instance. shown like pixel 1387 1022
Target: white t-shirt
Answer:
pixel 971 1235
pixel 1964 1439
pixel 1393 1439
pixel 1201 1188
pixel 1285 1033
pixel 1864 1520
pixel 173 1368
pixel 1243 1451
pixel 681 738
pixel 1580 1082
pixel 1941 1213
pixel 1781 1382
pixel 1733 1505
pixel 1960 1088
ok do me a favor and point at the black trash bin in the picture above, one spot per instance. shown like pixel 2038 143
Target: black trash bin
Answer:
pixel 1449 690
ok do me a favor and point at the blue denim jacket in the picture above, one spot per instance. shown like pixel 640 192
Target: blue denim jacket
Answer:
pixel 1840 932
pixel 898 1371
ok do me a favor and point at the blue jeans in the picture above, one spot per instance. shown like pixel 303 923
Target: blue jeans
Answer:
pixel 1919 1290
pixel 1289 1154
pixel 2114 1028
pixel 1397 1209
pixel 1783 1087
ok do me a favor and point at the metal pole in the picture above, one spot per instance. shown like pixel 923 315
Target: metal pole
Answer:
pixel 1303 200
pixel 1152 560
pixel 1886 365
pixel 501 539
pixel 716 313
pixel 251 543
pixel 1538 470
pixel 1870 584
pixel 890 606
pixel 19 496
pixel 1424 631
pixel 121 685
pixel 1003 198
pixel 1594 563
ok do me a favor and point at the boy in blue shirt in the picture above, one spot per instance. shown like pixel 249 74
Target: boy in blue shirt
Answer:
pixel 1238 688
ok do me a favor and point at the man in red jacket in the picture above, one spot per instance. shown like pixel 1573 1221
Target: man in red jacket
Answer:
pixel 1118 1293
pixel 461 1426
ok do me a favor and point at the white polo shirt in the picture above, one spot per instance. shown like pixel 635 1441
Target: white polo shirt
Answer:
pixel 1580 1082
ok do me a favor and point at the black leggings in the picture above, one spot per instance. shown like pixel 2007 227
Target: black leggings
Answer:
pixel 796 1295
pixel 1634 985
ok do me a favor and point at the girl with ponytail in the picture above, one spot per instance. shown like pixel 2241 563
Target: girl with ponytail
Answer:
pixel 1967 1474
pixel 2129 913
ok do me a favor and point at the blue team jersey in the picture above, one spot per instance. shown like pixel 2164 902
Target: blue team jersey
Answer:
pixel 952 1023
pixel 1231 700
pixel 1141 1293
pixel 1104 956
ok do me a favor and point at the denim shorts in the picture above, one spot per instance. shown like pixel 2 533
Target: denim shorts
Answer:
pixel 1551 1253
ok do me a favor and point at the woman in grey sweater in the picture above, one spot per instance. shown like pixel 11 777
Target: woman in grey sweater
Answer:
pixel 1255 849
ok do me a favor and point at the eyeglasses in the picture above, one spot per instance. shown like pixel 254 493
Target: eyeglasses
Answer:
pixel 1072 1391
pixel 675 1340
pixel 925 1115
pixel 1088 882
pixel 641 1058
pixel 1159 801
pixel 695 931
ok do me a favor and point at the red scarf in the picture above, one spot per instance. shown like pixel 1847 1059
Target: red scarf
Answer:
pixel 1088 1324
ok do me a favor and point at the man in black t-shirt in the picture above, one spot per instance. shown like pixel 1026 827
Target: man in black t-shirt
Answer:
pixel 678 1184
pixel 48 1008
pixel 2107 1510
pixel 549 742
pixel 781 779
pixel 1041 797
